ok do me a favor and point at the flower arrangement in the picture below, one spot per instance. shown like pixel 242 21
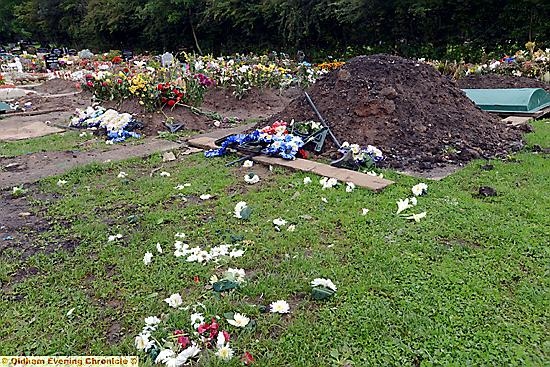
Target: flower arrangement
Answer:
pixel 364 158
pixel 118 126
pixel 274 140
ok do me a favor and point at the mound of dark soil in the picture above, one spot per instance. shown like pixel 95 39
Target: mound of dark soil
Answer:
pixel 418 118
pixel 500 81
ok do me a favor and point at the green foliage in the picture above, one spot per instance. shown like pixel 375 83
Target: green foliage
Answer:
pixel 430 28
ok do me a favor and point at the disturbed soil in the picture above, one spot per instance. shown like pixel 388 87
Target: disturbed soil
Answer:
pixel 418 118
pixel 500 81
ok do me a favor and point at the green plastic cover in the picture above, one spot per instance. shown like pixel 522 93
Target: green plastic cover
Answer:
pixel 4 107
pixel 518 100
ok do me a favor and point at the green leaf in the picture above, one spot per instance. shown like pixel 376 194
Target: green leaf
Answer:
pixel 224 285
pixel 246 212
pixel 229 315
pixel 321 293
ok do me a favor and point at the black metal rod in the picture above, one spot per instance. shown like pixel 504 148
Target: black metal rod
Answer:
pixel 322 120
pixel 240 160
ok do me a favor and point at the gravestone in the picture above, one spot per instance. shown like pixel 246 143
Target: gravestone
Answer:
pixel 72 52
pixel 127 55
pixel 167 59
pixel 58 52
pixel 52 61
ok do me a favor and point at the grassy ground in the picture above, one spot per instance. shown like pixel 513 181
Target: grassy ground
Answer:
pixel 468 285
pixel 70 140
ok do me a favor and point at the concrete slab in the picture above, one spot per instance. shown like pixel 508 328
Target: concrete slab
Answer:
pixel 27 125
pixel 27 131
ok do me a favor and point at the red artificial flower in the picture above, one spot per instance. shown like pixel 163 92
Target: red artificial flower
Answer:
pixel 302 153
pixel 163 99
pixel 196 279
pixel 119 81
pixel 247 359
pixel 89 84
pixel 159 87
pixel 183 340
pixel 89 76
pixel 203 327
pixel 104 84
pixel 226 336
pixel 171 103
pixel 126 70
pixel 117 60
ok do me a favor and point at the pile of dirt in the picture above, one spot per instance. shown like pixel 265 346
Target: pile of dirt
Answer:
pixel 500 81
pixel 57 86
pixel 418 118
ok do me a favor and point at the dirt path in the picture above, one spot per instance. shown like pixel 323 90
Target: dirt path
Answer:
pixel 33 167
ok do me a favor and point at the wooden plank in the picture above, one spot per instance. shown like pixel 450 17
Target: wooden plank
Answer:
pixel 344 175
pixel 516 120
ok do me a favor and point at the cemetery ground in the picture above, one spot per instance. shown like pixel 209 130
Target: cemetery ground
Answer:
pixel 466 285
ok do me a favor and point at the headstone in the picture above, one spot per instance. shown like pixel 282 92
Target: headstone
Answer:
pixel 72 52
pixel 42 50
pixel 127 55
pixel 58 52
pixel 52 61
pixel 167 59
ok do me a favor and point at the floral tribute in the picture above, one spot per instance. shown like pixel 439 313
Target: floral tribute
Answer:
pixel 362 157
pixel 273 140
pixel 118 126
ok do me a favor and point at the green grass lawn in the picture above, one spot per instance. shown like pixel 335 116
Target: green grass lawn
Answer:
pixel 466 286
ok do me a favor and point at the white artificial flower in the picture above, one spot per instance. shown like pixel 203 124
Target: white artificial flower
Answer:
pixel 350 186
pixel 147 258
pixel 143 343
pixel 225 353
pixel 322 282
pixel 291 228
pixel 152 320
pixel 403 205
pixel 417 217
pixel 170 359
pixel 165 174
pixel 279 222
pixel 413 201
pixel 188 353
pixel 174 300
pixel 324 200
pixel 122 174
pixel 197 319
pixel 239 320
pixel 251 178
pixel 159 248
pixel 248 163
pixel 114 237
pixel 420 189
pixel 239 207
pixel 279 306
pixel 236 253
pixel 364 211
pixel 237 274
pixel 61 183
pixel 205 196
pixel 307 180
pixel 179 235
pixel 328 183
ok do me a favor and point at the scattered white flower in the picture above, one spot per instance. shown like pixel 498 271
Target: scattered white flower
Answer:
pixel 291 228
pixel 307 180
pixel 403 205
pixel 413 201
pixel 165 174
pixel 364 211
pixel 152 320
pixel 179 235
pixel 420 189
pixel 61 183
pixel 159 248
pixel 70 312
pixel 205 196
pixel 372 173
pixel 174 300
pixel 17 190
pixel 196 320
pixel 143 343
pixel 182 186
pixel 147 258
pixel 417 217
pixel 251 178
pixel 248 163
pixel 236 253
pixel 225 353
pixel 324 200
pixel 322 282
pixel 239 320
pixel 328 183
pixel 350 186
pixel 170 359
pixel 115 237
pixel 235 274
pixel 239 207
pixel 122 174
pixel 279 306
pixel 279 222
